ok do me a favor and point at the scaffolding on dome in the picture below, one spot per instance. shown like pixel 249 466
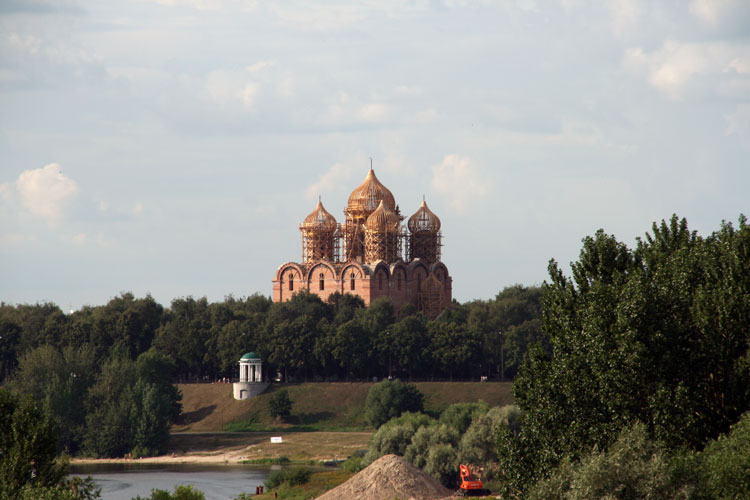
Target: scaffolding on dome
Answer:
pixel 320 236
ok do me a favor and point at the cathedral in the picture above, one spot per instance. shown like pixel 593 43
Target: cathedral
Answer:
pixel 371 254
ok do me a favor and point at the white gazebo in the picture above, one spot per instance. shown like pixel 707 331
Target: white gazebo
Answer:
pixel 251 377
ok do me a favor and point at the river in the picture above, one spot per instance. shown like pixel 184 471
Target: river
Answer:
pixel 219 482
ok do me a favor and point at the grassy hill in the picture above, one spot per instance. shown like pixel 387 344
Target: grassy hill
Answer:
pixel 337 406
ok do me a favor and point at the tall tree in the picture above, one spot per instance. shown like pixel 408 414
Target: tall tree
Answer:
pixel 658 335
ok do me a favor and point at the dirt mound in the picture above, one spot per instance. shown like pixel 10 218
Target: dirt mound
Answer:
pixel 387 478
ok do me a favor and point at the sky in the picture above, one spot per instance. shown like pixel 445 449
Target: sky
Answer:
pixel 172 147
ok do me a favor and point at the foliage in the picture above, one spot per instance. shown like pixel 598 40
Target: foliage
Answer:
pixel 478 443
pixel 622 331
pixel 181 492
pixel 395 435
pixel 442 464
pixel 459 415
pixel 425 439
pixel 353 464
pixel 28 446
pixel 318 483
pixel 724 465
pixel 631 469
pixel 74 488
pixel 291 477
pixel 391 398
pixel 280 404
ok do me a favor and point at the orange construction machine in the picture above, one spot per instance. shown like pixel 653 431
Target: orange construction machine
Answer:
pixel 469 484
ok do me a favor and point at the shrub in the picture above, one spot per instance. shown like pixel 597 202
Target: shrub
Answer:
pixel 389 399
pixel 725 464
pixel 353 464
pixel 395 435
pixel 460 415
pixel 632 468
pixel 292 477
pixel 181 492
pixel 478 445
pixel 425 439
pixel 280 404
pixel 442 464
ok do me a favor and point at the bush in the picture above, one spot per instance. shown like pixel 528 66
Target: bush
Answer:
pixel 292 477
pixel 632 468
pixel 353 464
pixel 389 399
pixel 725 464
pixel 181 492
pixel 395 435
pixel 460 415
pixel 478 445
pixel 442 464
pixel 280 404
pixel 425 439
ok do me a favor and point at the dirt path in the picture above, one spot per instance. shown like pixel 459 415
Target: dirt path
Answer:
pixel 234 447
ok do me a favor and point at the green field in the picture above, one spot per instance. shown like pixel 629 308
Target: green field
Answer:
pixel 336 406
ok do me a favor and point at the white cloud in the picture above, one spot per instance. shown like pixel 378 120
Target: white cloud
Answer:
pixel 337 177
pixel 228 87
pixel 458 181
pixel 624 16
pixel 45 191
pixel 676 66
pixel 373 112
pixel 719 13
pixel 260 65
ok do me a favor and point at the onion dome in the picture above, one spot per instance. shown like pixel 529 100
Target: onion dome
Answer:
pixel 364 200
pixel 383 219
pixel 319 219
pixel 424 221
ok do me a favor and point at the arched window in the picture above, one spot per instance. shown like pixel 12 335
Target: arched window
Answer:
pixel 398 281
pixel 291 282
pixel 380 282
pixel 351 281
pixel 322 281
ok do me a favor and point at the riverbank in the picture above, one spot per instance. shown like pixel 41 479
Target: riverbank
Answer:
pixel 231 448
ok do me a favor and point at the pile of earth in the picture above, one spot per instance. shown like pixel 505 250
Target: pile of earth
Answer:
pixel 387 478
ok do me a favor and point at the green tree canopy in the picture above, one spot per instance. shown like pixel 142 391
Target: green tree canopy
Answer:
pixel 657 335
pixel 391 398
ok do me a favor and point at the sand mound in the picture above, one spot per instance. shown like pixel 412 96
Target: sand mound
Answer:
pixel 387 478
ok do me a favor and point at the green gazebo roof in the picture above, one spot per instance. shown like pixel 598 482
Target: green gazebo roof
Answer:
pixel 249 355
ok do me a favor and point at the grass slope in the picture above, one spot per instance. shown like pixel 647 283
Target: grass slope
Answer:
pixel 337 406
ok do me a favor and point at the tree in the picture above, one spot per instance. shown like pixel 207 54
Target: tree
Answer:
pixel 622 331
pixel 391 398
pixel 59 382
pixel 28 446
pixel 10 336
pixel 280 404
pixel 633 468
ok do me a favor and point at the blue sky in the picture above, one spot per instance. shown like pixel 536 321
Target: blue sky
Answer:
pixel 172 147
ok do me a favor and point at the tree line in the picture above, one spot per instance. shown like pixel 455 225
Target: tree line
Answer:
pixel 302 339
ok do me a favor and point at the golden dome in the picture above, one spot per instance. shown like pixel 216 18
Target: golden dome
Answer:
pixel 383 219
pixel 319 219
pixel 364 200
pixel 424 221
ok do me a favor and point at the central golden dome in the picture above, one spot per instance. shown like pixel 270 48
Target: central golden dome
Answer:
pixel 365 199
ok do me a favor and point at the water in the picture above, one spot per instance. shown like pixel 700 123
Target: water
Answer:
pixel 125 481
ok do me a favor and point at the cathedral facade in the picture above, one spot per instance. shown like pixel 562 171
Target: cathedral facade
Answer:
pixel 371 254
